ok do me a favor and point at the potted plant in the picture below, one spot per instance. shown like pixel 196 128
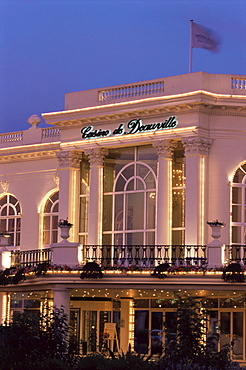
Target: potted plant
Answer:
pixel 91 270
pixel 216 228
pixel 233 273
pixel 160 270
pixel 65 227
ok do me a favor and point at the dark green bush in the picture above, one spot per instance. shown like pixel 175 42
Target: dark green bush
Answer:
pixel 188 348
pixel 30 339
pixel 93 362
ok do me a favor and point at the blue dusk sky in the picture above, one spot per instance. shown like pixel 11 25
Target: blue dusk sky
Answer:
pixel 49 48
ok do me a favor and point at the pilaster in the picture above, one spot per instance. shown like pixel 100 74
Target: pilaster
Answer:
pixel 196 153
pixel 96 157
pixel 69 165
pixel 164 191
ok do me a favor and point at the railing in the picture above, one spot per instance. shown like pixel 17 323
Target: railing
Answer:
pixel 236 253
pixel 50 132
pixel 130 91
pixel 149 256
pixel 238 83
pixel 30 258
pixel 11 137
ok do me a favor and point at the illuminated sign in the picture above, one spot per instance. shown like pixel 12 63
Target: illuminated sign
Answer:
pixel 135 126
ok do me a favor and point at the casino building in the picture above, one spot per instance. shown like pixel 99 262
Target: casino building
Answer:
pixel 138 170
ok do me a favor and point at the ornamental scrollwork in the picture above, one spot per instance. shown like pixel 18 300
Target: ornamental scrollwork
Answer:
pixel 197 145
pixel 5 186
pixel 165 148
pixel 96 155
pixel 69 159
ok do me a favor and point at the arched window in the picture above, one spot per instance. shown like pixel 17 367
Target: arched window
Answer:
pixel 132 200
pixel 238 218
pixel 129 199
pixel 10 217
pixel 50 219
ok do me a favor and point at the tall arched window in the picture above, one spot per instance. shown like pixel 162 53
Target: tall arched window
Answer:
pixel 50 219
pixel 238 234
pixel 10 217
pixel 129 208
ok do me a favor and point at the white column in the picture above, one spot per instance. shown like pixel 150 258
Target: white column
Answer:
pixel 196 152
pixel 124 330
pixel 69 165
pixel 96 157
pixel 164 192
pixel 3 308
pixel 62 299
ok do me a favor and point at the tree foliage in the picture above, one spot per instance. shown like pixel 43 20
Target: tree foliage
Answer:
pixel 190 342
pixel 32 338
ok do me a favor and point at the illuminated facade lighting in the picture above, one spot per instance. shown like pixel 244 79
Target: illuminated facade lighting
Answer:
pixel 137 200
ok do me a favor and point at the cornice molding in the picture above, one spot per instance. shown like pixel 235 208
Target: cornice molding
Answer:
pixel 175 102
pixel 119 116
pixel 32 148
pixel 177 109
pixel 29 152
pixel 20 157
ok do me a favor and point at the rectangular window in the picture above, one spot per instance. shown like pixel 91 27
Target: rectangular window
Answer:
pixel 236 214
pixel 141 332
pixel 236 195
pixel 135 211
pixel 119 213
pixel 83 214
pixel 134 238
pixel 236 234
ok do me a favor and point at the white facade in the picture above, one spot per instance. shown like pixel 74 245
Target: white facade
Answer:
pixel 135 167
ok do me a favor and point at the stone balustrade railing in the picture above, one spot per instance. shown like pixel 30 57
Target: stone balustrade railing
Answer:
pixel 238 83
pixel 122 92
pixel 11 137
pixel 50 132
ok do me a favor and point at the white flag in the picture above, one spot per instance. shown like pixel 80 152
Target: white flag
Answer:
pixel 203 37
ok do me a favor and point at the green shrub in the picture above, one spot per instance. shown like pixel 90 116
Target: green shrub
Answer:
pixel 187 347
pixel 93 362
pixel 30 339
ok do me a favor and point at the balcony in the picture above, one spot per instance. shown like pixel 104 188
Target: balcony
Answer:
pixel 144 256
pixel 120 256
pixel 139 256
pixel 31 257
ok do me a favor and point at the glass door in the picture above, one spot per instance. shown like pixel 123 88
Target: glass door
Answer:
pixel 141 337
pixel 89 330
pixel 156 333
pixel 232 331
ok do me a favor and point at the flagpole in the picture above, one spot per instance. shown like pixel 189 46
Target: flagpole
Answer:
pixel 190 57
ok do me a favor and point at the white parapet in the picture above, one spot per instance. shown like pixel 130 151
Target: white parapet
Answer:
pixel 65 253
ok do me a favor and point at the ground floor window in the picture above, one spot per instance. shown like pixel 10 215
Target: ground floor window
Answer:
pixel 226 319
pixel 139 320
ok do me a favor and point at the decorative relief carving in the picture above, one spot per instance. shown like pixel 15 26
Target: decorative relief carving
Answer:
pixel 165 148
pixel 197 145
pixel 27 156
pixel 5 186
pixel 34 120
pixel 56 179
pixel 96 155
pixel 69 159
